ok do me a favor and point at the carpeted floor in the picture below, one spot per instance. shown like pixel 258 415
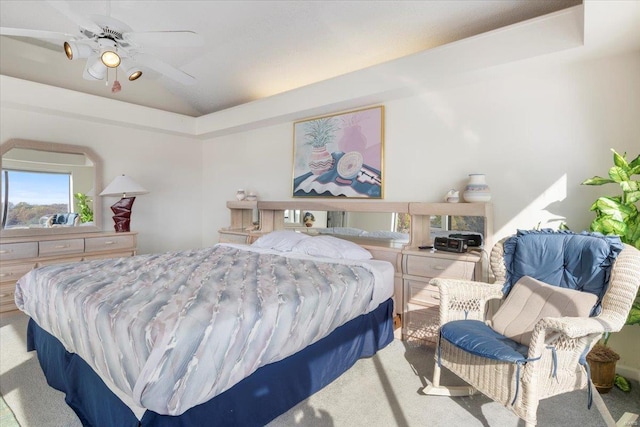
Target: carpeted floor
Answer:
pixel 7 419
pixel 380 391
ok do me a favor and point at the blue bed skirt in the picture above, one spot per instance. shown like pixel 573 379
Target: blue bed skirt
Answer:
pixel 256 400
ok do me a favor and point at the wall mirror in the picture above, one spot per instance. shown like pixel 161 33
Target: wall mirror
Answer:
pixel 49 189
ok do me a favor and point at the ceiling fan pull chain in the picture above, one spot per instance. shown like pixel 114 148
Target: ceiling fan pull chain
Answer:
pixel 116 84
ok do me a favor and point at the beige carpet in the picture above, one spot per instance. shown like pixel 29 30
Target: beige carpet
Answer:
pixel 380 391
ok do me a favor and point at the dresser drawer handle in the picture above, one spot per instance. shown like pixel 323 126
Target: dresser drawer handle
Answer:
pixel 109 242
pixel 5 251
pixel 61 246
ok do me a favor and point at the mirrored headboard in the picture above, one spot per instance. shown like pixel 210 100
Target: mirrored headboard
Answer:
pixel 49 189
pixel 364 221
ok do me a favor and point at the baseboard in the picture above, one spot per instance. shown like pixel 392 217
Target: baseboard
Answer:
pixel 628 372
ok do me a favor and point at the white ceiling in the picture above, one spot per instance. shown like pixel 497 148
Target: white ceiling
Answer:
pixel 253 49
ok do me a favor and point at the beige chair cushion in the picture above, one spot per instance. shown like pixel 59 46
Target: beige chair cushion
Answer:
pixel 530 300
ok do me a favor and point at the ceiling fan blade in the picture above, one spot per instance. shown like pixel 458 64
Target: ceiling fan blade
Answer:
pixel 65 8
pixel 164 68
pixel 165 38
pixel 36 34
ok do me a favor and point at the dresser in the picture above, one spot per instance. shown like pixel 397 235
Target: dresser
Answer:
pixel 18 255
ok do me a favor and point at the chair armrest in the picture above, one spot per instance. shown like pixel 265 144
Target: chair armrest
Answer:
pixel 464 299
pixel 551 329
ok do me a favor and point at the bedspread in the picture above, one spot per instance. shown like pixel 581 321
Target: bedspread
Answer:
pixel 172 330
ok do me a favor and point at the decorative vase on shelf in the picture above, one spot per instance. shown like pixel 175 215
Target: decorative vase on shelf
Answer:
pixel 321 160
pixel 477 189
pixel 240 195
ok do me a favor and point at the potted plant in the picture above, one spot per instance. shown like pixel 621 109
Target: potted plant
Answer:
pixel 86 213
pixel 616 215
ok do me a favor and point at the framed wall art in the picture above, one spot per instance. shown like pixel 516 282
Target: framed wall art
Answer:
pixel 339 155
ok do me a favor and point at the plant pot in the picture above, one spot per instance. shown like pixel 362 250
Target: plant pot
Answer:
pixel 602 362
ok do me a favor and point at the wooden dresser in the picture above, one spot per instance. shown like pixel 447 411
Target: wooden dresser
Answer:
pixel 18 255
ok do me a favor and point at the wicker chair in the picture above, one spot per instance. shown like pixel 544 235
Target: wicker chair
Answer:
pixel 556 354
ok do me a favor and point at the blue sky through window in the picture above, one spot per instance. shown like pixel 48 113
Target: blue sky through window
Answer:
pixel 37 188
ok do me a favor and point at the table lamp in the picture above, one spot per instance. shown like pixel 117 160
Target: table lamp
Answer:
pixel 125 187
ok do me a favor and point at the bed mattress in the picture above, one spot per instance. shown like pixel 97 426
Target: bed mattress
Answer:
pixel 167 332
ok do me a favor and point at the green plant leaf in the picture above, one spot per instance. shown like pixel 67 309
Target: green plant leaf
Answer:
pixel 635 163
pixel 622 383
pixel 597 180
pixel 607 226
pixel 618 174
pixel 633 196
pixel 634 314
pixel 610 206
pixel 629 185
pixel 619 160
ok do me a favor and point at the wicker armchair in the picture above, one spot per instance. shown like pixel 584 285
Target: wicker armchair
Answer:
pixel 555 362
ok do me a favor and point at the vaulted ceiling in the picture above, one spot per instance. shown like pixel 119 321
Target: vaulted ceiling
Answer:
pixel 252 49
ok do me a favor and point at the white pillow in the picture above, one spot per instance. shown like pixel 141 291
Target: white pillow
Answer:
pixel 530 300
pixel 282 240
pixel 331 247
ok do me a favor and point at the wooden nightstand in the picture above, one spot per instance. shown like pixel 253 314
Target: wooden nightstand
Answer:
pixel 420 299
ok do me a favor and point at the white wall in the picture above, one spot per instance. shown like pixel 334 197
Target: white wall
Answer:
pixel 169 217
pixel 536 133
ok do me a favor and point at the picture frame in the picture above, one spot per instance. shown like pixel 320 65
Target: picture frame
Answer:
pixel 340 155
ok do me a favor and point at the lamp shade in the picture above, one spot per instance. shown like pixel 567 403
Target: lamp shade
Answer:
pixel 123 186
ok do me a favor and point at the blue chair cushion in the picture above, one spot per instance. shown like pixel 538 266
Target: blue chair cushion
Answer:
pixel 562 258
pixel 475 337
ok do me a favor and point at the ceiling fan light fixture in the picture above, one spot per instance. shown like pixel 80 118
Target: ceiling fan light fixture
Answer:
pixel 132 71
pixel 135 75
pixel 95 69
pixel 75 50
pixel 108 54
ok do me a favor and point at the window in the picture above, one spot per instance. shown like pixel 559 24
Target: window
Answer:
pixel 25 208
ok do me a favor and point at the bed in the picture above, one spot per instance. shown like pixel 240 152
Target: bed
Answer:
pixel 190 338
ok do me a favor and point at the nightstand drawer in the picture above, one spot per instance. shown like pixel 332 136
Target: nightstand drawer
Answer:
pixel 429 267
pixel 9 251
pixel 61 247
pixel 111 243
pixel 11 273
pixel 423 293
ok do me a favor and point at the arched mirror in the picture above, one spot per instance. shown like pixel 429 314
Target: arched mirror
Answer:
pixel 49 189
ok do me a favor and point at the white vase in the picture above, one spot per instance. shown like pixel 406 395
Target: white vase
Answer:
pixel 477 189
pixel 240 195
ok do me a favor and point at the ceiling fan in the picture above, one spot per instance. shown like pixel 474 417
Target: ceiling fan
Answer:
pixel 106 42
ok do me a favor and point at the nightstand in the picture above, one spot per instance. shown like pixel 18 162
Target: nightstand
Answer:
pixel 420 299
